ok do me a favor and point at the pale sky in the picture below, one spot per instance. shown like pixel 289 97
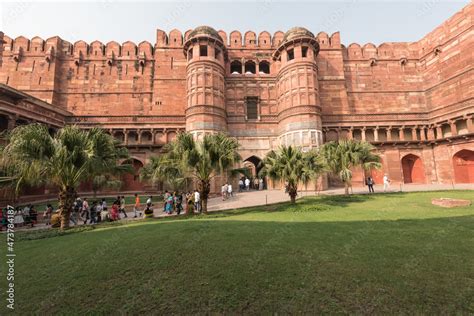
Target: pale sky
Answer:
pixel 358 20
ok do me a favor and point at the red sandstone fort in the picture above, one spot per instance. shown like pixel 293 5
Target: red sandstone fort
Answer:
pixel 413 101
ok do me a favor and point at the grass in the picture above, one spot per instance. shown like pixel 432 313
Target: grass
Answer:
pixel 393 253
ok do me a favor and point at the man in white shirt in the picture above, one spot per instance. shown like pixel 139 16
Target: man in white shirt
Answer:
pixel 386 183
pixel 197 201
pixel 229 190
pixel 247 184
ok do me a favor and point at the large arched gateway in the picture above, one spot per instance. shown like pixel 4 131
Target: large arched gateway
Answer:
pixel 131 181
pixel 413 171
pixel 463 166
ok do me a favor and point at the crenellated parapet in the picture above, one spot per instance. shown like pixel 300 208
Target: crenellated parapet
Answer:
pixel 385 51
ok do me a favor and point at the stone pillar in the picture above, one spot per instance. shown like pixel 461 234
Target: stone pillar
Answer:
pixel 153 135
pixel 470 125
pixel 139 132
pixel 413 133
pixel 422 133
pixel 363 133
pixel 376 134
pixel 454 131
pixel 257 67
pixel 431 133
pixel 350 134
pixel 439 132
pixel 11 123
pixel 243 67
pixel 401 133
pixel 125 138
pixel 389 134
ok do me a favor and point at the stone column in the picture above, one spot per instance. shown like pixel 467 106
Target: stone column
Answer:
pixel 376 134
pixel 350 134
pixel 422 133
pixel 125 138
pixel 389 134
pixel 454 131
pixel 470 125
pixel 431 133
pixel 11 123
pixel 413 133
pixel 401 133
pixel 363 133
pixel 257 68
pixel 439 132
pixel 153 135
pixel 139 132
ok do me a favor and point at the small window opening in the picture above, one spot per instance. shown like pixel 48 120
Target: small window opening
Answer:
pixel 250 68
pixel 203 50
pixel 190 54
pixel 264 67
pixel 304 51
pixel 217 53
pixel 236 67
pixel 291 54
pixel 252 108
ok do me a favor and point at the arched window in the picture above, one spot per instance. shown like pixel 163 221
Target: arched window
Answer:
pixel 264 67
pixel 250 68
pixel 236 67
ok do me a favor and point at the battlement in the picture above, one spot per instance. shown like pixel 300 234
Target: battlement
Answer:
pixel 385 51
pixel 80 49
pixel 249 40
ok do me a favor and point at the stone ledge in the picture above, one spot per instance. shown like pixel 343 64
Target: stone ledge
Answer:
pixel 449 203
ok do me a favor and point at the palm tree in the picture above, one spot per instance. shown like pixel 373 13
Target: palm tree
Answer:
pixel 343 155
pixel 34 157
pixel 201 161
pixel 293 166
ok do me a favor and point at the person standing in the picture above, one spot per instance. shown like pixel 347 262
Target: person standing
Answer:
pixel 386 183
pixel 122 206
pixel 136 207
pixel 370 184
pixel 33 216
pixel 260 184
pixel 241 185
pixel 47 214
pixel 85 211
pixel 93 213
pixel 229 191
pixel 197 201
pixel 178 202
pixel 247 184
pixel 223 192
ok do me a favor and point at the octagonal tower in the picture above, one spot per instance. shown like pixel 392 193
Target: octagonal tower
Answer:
pixel 299 109
pixel 205 85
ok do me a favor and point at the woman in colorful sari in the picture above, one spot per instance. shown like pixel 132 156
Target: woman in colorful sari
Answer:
pixel 169 204
pixel 114 214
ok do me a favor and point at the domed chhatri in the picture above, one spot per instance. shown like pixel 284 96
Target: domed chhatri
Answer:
pixel 205 30
pixel 297 32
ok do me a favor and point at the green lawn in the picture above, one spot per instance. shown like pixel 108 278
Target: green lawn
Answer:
pixel 393 253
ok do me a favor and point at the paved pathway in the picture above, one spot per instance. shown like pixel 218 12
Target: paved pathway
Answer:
pixel 256 198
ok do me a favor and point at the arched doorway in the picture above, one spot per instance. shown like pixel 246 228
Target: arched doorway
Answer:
pixel 131 181
pixel 253 163
pixel 413 171
pixel 463 165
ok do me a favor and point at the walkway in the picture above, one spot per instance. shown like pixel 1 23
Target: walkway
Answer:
pixel 256 198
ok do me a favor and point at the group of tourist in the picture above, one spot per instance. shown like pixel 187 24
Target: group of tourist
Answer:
pixel 370 182
pixel 23 216
pixel 226 191
pixel 247 184
pixel 178 202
